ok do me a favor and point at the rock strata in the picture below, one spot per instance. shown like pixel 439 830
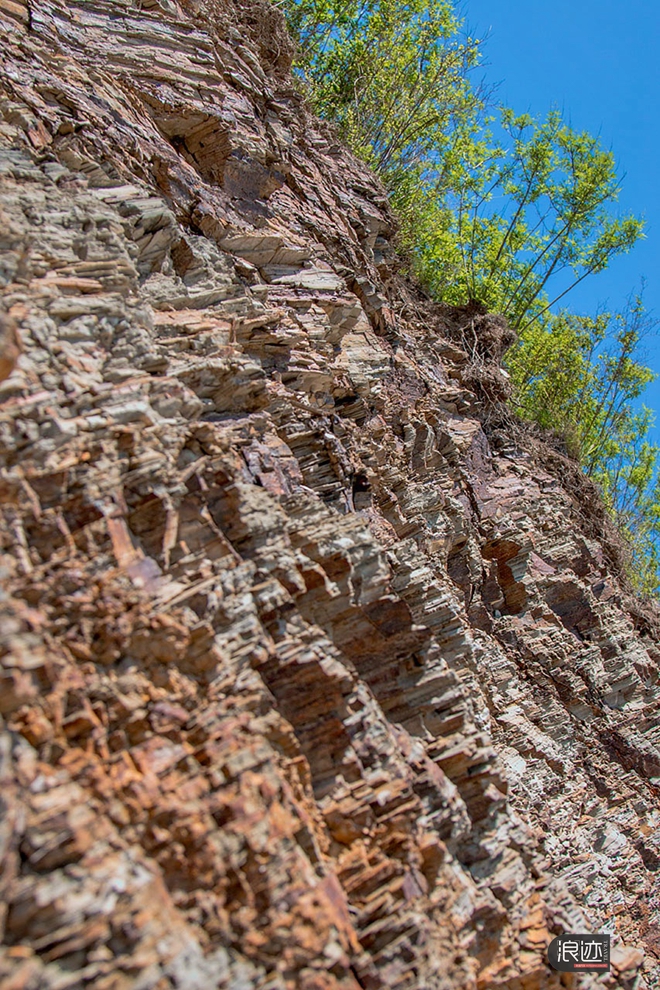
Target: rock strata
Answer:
pixel 315 674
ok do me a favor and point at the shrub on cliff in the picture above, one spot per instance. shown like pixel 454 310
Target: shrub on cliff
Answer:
pixel 582 378
pixel 513 222
pixel 392 74
pixel 516 223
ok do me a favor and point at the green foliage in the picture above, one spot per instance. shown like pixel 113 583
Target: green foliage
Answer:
pixel 581 378
pixel 631 488
pixel 391 73
pixel 517 223
pixel 513 221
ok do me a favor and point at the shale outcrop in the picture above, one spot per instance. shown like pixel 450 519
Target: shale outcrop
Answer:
pixel 316 673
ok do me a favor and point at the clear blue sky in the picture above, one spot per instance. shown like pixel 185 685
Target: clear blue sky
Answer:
pixel 598 61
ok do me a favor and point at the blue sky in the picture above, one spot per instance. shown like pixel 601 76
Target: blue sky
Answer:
pixel 597 60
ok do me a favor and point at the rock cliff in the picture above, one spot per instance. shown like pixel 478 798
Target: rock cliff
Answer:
pixel 316 669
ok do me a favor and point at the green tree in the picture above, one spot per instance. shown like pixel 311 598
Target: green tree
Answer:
pixel 517 223
pixel 582 378
pixel 631 488
pixel 513 222
pixel 392 74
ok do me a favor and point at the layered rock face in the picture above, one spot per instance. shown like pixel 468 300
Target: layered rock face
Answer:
pixel 315 673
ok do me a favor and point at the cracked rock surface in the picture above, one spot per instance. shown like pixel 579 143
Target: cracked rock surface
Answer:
pixel 315 673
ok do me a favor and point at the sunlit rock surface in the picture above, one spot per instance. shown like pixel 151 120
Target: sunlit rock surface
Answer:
pixel 316 672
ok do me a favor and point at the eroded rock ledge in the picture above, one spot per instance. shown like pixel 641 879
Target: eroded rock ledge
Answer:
pixel 306 682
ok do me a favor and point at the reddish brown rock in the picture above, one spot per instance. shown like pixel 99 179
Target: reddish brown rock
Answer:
pixel 316 672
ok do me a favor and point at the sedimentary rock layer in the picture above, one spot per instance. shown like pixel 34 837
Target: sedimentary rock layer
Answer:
pixel 315 672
